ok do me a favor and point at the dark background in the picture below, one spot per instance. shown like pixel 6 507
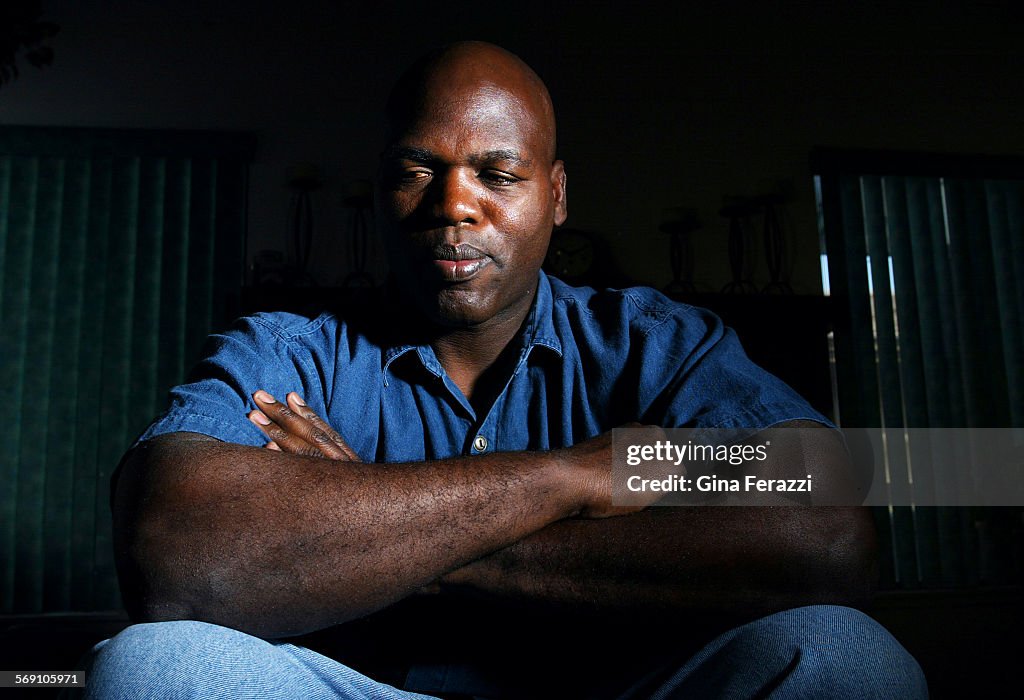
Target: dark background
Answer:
pixel 657 109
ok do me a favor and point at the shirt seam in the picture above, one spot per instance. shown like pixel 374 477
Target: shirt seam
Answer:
pixel 174 416
pixel 659 314
pixel 290 340
pixel 307 328
pixel 767 412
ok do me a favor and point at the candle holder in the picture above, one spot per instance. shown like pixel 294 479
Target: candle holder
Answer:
pixel 303 179
pixel 774 245
pixel 739 211
pixel 679 223
pixel 358 200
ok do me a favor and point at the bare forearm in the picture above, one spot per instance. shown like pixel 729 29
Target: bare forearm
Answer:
pixel 736 559
pixel 278 544
pixel 743 561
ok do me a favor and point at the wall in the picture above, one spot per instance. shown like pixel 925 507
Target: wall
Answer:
pixel 656 110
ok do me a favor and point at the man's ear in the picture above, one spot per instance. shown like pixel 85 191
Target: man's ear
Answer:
pixel 558 190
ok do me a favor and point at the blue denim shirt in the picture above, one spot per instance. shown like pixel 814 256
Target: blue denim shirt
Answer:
pixel 588 361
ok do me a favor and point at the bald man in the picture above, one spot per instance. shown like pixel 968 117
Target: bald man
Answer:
pixel 419 484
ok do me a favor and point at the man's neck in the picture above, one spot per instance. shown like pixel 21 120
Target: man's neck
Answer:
pixel 479 358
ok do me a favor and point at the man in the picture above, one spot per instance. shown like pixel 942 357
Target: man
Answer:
pixel 445 496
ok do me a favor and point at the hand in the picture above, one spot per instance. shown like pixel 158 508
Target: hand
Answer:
pixel 593 460
pixel 296 429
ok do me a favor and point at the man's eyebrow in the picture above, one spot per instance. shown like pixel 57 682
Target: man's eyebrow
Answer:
pixel 419 155
pixel 500 154
pixel 423 155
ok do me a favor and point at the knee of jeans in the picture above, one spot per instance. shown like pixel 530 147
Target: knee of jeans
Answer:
pixel 178 639
pixel 172 655
pixel 840 647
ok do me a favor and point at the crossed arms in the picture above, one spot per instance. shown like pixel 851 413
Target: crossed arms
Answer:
pixel 282 541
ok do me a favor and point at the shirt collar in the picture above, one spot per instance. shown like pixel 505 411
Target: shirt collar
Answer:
pixel 540 324
pixel 538 331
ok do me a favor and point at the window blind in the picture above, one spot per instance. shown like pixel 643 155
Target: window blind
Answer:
pixel 119 252
pixel 926 261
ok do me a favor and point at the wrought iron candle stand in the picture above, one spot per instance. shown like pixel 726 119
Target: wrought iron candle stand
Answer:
pixel 739 211
pixel 679 223
pixel 774 245
pixel 358 199
pixel 304 179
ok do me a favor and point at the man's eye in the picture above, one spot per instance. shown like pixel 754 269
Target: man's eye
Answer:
pixel 414 175
pixel 497 177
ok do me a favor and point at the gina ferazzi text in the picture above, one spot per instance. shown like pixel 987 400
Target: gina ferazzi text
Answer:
pixel 712 483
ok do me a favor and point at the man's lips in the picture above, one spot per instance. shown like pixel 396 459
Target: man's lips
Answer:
pixel 458 263
pixel 460 270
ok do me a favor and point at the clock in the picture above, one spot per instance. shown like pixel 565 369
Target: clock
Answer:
pixel 572 255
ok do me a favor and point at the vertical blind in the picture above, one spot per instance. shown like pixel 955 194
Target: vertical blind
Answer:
pixel 926 263
pixel 119 252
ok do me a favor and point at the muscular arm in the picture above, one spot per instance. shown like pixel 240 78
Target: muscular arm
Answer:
pixel 276 544
pixel 743 561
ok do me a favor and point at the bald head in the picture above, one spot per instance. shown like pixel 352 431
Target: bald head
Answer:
pixel 463 68
pixel 468 188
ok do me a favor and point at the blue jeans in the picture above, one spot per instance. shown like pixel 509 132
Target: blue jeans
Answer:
pixel 811 652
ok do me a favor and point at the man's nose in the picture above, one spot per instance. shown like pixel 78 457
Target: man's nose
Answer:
pixel 456 198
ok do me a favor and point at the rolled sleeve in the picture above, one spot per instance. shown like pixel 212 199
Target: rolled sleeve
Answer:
pixel 717 385
pixel 217 397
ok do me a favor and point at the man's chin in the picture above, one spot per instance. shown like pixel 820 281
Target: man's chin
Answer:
pixel 453 308
pixel 466 305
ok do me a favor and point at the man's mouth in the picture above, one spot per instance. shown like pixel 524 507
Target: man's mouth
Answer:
pixel 458 263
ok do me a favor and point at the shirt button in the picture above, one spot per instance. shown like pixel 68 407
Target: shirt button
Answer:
pixel 480 443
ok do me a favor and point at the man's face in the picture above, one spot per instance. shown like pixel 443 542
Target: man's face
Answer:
pixel 466 200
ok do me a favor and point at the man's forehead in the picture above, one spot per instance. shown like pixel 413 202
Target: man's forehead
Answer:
pixel 486 119
pixel 482 105
pixel 473 87
pixel 483 98
pixel 478 104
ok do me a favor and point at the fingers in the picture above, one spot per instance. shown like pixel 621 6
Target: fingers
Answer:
pixel 299 406
pixel 294 428
pixel 289 432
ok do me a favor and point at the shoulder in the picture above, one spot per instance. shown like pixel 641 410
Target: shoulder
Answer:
pixel 252 341
pixel 637 311
pixel 334 316
pixel 286 326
